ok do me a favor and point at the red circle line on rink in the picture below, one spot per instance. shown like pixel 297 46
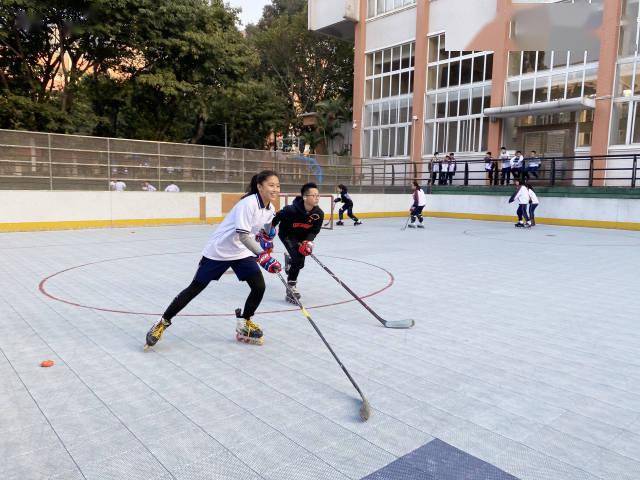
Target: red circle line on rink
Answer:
pixel 41 287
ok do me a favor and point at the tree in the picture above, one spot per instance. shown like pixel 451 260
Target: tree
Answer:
pixel 47 46
pixel 330 115
pixel 306 67
pixel 159 62
pixel 251 110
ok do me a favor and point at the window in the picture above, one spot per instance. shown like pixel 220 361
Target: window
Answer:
pixel 557 89
pixel 628 41
pixel 515 58
pixel 378 7
pixel 585 128
pixel 455 122
pixel 458 91
pixel 449 69
pixel 544 60
pixel 388 102
pixel 549 75
pixel 624 80
pixel 619 122
pixel 559 59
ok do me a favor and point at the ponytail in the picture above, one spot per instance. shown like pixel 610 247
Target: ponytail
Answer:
pixel 258 178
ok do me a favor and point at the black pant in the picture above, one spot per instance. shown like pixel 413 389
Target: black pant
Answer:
pixel 504 174
pixel 416 212
pixel 347 207
pixel 296 258
pixel 490 176
pixel 450 177
pixel 533 171
pixel 532 209
pixel 522 212
pixel 256 283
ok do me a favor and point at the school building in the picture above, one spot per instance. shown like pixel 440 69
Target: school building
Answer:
pixel 413 96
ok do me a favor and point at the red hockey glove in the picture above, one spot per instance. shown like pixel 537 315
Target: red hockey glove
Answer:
pixel 306 248
pixel 269 263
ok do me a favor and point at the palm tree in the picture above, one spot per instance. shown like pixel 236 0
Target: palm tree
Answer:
pixel 331 114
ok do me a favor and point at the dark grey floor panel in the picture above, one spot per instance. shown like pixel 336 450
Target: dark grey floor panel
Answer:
pixel 437 460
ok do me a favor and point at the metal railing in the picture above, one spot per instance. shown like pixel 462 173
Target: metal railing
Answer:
pixel 44 161
pixel 619 170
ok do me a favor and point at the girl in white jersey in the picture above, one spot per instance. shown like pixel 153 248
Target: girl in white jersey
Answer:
pixel 419 202
pixel 234 244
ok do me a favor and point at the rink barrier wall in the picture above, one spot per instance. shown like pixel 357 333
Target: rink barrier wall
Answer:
pixel 44 210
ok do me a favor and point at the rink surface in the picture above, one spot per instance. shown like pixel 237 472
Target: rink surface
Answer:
pixel 523 362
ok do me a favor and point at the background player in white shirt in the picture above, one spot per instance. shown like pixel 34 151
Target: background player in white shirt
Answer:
pixel 172 187
pixel 234 245
pixel 521 195
pixel 533 204
pixel 119 186
pixel 419 202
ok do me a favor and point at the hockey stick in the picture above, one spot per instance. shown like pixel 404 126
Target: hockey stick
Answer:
pixel 387 323
pixel 407 223
pixel 365 409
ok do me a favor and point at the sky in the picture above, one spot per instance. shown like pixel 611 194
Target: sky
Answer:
pixel 251 9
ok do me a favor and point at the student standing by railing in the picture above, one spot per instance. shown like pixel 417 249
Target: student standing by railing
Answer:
pixel 505 173
pixel 436 167
pixel 489 167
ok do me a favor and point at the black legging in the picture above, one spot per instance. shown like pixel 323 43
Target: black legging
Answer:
pixel 256 283
pixel 532 209
pixel 522 212
pixel 347 207
pixel 296 258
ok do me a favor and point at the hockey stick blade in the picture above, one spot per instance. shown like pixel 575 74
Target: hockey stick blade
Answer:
pixel 386 323
pixel 398 323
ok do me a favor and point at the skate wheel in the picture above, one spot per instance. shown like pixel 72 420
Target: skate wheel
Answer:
pixel 46 363
pixel 240 338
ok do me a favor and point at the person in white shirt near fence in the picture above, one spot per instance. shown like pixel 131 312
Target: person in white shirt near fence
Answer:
pixel 517 166
pixel 505 172
pixel 452 166
pixel 521 195
pixel 436 166
pixel 533 165
pixel 490 168
pixel 533 204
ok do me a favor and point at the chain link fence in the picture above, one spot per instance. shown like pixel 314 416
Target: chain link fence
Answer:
pixel 48 161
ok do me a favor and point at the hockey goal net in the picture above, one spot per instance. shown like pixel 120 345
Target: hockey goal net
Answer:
pixel 326 204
